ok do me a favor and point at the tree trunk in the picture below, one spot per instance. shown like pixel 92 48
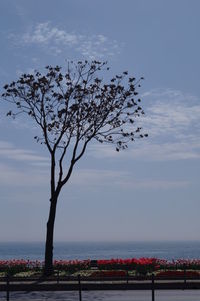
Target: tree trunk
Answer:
pixel 48 266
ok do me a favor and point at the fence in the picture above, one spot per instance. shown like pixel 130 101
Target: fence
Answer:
pixel 79 284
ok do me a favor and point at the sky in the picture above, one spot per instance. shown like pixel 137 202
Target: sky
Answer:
pixel 149 192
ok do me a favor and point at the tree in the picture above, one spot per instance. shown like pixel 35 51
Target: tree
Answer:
pixel 71 109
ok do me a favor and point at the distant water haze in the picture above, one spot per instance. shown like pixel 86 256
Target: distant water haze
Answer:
pixel 99 250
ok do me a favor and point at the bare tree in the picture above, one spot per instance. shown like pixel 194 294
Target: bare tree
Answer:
pixel 72 108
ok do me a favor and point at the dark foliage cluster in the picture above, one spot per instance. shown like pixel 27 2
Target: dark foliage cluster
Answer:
pixel 77 105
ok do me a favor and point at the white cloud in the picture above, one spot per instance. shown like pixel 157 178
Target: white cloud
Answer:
pixel 58 40
pixel 171 113
pixel 88 178
pixel 41 163
pixel 43 33
pixel 9 151
pixel 121 179
pixel 96 177
pixel 153 184
pixel 5 144
pixel 172 122
pixel 147 151
pixel 167 151
pixel 11 176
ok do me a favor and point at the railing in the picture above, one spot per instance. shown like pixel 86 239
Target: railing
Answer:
pixel 71 283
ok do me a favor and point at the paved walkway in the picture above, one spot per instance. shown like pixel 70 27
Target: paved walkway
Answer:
pixel 188 295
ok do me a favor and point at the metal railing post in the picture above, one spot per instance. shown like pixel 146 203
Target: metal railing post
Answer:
pixel 184 277
pixel 8 288
pixel 79 288
pixel 152 287
pixel 58 276
pixel 127 277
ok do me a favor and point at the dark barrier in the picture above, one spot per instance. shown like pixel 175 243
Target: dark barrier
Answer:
pixel 79 284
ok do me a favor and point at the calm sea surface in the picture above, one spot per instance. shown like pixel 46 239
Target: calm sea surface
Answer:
pixel 100 250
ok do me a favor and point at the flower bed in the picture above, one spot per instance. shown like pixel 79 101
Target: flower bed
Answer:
pixel 181 264
pixel 174 273
pixel 19 265
pixel 140 265
pixel 71 265
pixel 111 273
pixel 137 266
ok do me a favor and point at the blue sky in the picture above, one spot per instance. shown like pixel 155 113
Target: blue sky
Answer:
pixel 149 192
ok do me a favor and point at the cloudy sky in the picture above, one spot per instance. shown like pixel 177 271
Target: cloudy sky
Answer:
pixel 149 192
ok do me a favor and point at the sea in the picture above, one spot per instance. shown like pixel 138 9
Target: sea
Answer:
pixel 102 250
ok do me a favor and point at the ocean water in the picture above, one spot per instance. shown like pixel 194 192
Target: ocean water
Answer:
pixel 102 250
